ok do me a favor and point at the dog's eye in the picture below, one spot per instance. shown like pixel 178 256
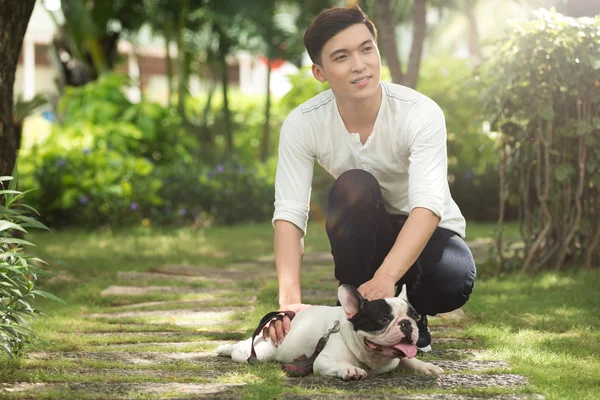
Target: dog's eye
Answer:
pixel 384 320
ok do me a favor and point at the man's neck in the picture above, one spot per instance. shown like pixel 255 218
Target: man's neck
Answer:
pixel 360 114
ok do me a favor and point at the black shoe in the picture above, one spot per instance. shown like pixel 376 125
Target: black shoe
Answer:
pixel 424 342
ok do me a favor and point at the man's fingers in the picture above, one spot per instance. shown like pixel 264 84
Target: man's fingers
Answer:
pixel 286 324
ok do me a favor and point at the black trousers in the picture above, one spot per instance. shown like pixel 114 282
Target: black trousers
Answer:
pixel 361 234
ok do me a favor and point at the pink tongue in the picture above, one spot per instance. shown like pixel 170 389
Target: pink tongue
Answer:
pixel 407 349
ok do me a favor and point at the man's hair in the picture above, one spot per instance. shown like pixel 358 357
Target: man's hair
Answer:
pixel 328 24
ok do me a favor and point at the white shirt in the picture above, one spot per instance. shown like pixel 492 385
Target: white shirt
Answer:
pixel 406 152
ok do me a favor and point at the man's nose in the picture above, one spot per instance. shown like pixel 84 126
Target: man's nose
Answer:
pixel 358 64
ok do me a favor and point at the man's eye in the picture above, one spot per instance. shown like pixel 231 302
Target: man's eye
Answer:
pixel 339 58
pixel 384 320
pixel 368 48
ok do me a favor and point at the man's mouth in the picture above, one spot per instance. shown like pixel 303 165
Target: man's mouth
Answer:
pixel 399 350
pixel 361 81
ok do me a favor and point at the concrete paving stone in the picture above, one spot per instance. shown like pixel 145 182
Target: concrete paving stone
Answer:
pixel 120 346
pixel 471 365
pixel 134 390
pixel 117 290
pixel 455 315
pixel 217 314
pixel 319 258
pixel 398 396
pixel 152 276
pixel 136 358
pixel 453 354
pixel 414 381
pixel 240 272
pixel 222 335
pixel 185 303
pixel 453 341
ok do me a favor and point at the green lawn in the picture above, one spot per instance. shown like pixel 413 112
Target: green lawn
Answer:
pixel 546 326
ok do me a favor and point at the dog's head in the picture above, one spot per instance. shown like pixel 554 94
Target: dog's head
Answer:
pixel 387 327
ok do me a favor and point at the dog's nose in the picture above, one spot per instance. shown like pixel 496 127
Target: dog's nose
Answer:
pixel 404 324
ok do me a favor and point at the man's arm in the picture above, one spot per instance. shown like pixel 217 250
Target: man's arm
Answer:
pixel 411 241
pixel 289 247
pixel 425 139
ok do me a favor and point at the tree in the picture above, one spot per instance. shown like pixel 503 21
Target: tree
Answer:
pixel 388 14
pixel 14 18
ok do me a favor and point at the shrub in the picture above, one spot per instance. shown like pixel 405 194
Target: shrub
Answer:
pixel 542 92
pixel 99 165
pixel 18 271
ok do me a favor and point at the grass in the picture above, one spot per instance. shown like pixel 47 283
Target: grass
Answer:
pixel 546 327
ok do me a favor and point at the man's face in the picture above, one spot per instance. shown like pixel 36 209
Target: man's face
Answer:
pixel 351 64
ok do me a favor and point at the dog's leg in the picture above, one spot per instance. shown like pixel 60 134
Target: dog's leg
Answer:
pixel 330 366
pixel 421 367
pixel 241 351
pixel 392 365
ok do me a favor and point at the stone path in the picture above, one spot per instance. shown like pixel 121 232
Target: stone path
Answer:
pixel 165 348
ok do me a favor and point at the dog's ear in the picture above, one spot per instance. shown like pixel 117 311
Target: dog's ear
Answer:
pixel 403 295
pixel 351 301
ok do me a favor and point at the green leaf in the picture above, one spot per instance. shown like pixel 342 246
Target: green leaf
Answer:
pixel 5 225
pixel 547 114
pixel 6 178
pixel 16 241
pixel 49 296
pixel 562 172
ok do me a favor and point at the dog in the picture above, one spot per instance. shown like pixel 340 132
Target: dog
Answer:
pixel 375 337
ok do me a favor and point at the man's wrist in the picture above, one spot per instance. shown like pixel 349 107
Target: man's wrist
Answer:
pixel 390 271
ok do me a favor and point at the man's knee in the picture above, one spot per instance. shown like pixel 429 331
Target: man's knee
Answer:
pixel 354 187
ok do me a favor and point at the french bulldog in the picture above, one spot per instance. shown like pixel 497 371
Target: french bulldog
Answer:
pixel 375 336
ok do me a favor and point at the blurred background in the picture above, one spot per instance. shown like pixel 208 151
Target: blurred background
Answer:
pixel 166 112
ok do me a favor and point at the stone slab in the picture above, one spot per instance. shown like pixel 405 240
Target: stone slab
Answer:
pixel 175 345
pixel 182 314
pixel 237 273
pixel 157 276
pixel 319 258
pixel 415 381
pixel 470 365
pixel 185 303
pixel 117 290
pixel 136 358
pixel 132 390
pixel 399 396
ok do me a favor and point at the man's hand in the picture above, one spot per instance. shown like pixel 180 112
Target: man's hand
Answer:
pixel 378 288
pixel 276 329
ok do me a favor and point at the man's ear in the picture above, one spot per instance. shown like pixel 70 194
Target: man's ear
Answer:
pixel 318 73
pixel 403 295
pixel 351 301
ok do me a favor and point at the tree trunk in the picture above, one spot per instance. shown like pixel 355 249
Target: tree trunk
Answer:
pixel 474 48
pixel 14 17
pixel 227 129
pixel 416 52
pixel 387 36
pixel 169 61
pixel 264 153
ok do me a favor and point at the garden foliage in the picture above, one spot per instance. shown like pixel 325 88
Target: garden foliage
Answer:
pixel 19 271
pixel 542 92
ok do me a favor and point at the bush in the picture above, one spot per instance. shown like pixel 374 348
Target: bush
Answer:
pixel 472 158
pixel 18 271
pixel 99 165
pixel 542 93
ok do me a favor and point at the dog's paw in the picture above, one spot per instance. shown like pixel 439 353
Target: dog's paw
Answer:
pixel 429 369
pixel 354 374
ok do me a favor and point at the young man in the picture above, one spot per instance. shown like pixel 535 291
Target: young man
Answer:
pixel 390 219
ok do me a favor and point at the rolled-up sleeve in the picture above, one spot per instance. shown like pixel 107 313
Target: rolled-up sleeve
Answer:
pixel 294 174
pixel 427 173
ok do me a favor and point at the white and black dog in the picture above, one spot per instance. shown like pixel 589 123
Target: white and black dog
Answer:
pixel 374 337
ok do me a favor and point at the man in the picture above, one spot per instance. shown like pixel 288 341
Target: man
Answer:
pixel 390 219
